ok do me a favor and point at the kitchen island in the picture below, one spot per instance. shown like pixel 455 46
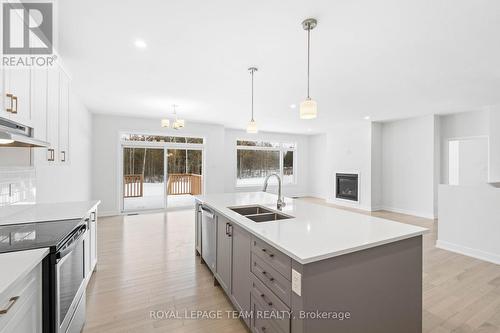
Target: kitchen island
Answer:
pixel 315 268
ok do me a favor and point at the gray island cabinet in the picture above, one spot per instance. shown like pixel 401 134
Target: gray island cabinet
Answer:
pixel 375 289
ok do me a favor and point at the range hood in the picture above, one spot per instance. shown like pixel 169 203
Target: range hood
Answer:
pixel 13 134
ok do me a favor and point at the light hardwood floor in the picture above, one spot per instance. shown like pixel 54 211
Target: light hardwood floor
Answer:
pixel 147 263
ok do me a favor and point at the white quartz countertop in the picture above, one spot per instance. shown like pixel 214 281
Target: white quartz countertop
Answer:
pixel 32 213
pixel 316 232
pixel 16 265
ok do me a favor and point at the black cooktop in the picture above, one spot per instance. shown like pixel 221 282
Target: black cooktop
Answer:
pixel 18 237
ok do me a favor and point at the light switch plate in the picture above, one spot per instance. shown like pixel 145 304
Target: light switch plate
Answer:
pixel 296 282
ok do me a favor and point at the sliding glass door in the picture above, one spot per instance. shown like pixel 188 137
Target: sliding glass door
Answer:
pixel 143 178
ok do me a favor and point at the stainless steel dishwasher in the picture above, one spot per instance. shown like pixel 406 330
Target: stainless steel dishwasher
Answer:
pixel 208 237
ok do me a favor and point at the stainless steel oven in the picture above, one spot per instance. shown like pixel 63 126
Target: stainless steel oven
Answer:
pixel 70 282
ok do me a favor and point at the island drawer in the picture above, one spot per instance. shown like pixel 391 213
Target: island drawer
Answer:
pixel 270 277
pixel 272 306
pixel 278 260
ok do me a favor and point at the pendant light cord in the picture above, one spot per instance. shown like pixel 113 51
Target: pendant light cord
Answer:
pixel 251 72
pixel 308 55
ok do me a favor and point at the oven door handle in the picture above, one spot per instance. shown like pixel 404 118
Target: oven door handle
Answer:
pixel 72 243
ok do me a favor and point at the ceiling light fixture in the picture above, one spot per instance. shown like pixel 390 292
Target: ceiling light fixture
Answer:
pixel 140 44
pixel 176 124
pixel 252 125
pixel 309 107
pixel 367 117
pixel 293 106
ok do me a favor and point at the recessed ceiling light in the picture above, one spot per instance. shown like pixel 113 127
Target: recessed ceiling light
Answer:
pixel 293 106
pixel 140 44
pixel 309 129
pixel 367 117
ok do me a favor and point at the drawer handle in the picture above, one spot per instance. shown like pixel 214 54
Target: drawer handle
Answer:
pixel 266 275
pixel 269 254
pixel 264 298
pixel 12 301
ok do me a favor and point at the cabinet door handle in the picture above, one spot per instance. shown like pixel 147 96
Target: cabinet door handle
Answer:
pixel 63 158
pixel 52 155
pixel 92 216
pixel 15 99
pixel 11 108
pixel 230 230
pixel 12 301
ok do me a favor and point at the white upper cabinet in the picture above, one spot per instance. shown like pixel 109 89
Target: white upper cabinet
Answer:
pixel 64 109
pixel 16 94
pixel 39 98
pixel 39 102
pixel 53 114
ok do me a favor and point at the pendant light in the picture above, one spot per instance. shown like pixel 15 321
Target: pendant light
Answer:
pixel 178 123
pixel 252 125
pixel 309 107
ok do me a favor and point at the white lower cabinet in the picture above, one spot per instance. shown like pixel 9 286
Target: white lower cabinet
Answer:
pixel 21 308
pixel 90 245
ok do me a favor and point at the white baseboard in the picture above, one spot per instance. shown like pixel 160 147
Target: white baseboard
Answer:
pixel 407 212
pixel 467 251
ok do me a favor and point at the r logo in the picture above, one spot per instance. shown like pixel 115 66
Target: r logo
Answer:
pixel 27 28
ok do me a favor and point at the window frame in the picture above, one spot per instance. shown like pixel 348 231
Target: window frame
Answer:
pixel 282 148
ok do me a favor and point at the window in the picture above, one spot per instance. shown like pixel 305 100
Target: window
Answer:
pixel 255 160
pixel 160 138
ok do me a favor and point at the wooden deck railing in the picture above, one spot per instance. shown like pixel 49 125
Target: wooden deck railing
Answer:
pixel 133 186
pixel 178 183
pixel 184 183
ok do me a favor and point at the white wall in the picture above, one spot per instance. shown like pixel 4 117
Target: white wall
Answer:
pixel 469 221
pixel 494 149
pixel 408 175
pixel 318 168
pixel 301 188
pixel 220 155
pixel 377 167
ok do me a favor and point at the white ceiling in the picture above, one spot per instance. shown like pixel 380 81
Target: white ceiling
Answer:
pixel 385 59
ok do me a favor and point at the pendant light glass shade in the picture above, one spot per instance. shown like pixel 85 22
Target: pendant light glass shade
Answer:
pixel 308 109
pixel 165 123
pixel 252 127
pixel 180 123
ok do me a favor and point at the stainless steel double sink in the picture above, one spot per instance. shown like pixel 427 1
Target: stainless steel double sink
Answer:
pixel 259 213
